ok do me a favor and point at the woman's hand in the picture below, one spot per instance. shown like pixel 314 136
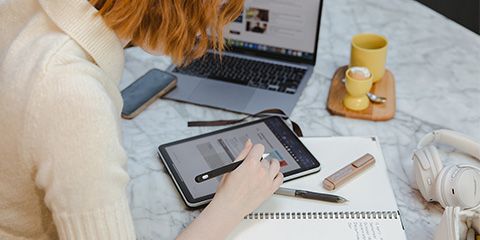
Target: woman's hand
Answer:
pixel 244 189
pixel 238 194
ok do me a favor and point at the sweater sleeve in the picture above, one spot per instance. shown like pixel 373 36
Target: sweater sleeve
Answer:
pixel 73 138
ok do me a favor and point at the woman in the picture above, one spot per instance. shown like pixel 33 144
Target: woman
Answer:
pixel 61 165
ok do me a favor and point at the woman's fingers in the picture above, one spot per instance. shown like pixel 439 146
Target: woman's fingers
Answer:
pixel 274 168
pixel 277 181
pixel 255 154
pixel 246 149
pixel 266 164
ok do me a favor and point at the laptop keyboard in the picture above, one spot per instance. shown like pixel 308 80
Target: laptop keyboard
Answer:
pixel 273 77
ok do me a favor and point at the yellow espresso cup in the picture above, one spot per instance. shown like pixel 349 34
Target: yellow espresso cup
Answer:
pixel 370 51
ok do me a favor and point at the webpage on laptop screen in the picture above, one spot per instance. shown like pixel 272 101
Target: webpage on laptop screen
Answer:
pixel 280 26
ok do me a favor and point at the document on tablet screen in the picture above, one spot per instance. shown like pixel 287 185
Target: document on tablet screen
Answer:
pixel 200 155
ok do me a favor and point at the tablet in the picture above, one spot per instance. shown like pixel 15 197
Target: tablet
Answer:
pixel 187 158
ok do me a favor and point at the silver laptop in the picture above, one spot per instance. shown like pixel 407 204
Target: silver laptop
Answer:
pixel 272 49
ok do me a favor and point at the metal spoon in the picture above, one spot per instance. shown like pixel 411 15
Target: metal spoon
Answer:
pixel 372 97
pixel 376 99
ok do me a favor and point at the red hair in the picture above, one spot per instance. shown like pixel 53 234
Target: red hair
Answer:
pixel 182 29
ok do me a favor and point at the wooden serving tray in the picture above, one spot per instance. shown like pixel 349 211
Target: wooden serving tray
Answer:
pixel 375 111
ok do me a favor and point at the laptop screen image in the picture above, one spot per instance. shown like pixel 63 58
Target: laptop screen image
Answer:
pixel 277 28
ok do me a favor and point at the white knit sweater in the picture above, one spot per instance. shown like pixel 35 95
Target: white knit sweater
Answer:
pixel 61 159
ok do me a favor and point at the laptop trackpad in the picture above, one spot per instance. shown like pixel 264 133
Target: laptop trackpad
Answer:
pixel 222 95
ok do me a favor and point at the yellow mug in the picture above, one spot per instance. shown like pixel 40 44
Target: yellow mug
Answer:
pixel 369 50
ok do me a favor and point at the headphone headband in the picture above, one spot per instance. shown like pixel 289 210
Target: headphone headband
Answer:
pixel 454 139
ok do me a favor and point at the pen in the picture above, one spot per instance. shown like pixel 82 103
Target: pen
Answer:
pixel 311 195
pixel 222 170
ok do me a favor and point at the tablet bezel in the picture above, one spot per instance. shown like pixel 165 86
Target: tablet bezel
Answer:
pixel 182 187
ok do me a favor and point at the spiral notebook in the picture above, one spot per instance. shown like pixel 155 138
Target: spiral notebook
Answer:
pixel 370 214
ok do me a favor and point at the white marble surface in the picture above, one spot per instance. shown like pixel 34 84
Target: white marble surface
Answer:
pixel 436 65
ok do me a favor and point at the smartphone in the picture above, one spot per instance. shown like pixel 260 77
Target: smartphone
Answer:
pixel 145 90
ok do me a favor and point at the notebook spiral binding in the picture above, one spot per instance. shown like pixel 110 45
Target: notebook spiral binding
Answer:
pixel 324 215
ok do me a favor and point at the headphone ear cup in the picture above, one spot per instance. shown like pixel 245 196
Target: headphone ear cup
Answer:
pixel 435 158
pixel 457 185
pixel 426 166
pixel 442 184
pixel 447 229
pixel 476 221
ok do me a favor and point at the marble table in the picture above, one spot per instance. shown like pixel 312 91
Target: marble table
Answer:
pixel 436 65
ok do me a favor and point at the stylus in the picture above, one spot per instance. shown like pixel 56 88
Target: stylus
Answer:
pixel 222 170
pixel 310 195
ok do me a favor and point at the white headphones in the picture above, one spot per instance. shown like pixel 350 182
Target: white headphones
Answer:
pixel 458 224
pixel 455 185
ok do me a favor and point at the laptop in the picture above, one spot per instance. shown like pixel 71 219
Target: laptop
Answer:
pixel 271 52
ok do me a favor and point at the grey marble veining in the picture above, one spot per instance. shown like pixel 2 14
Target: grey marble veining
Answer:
pixel 436 65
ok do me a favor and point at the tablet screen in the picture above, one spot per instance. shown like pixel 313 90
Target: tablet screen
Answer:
pixel 194 156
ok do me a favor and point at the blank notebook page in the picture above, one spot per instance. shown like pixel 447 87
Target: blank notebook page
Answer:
pixel 371 212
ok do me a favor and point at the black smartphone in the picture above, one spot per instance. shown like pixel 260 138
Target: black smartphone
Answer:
pixel 145 90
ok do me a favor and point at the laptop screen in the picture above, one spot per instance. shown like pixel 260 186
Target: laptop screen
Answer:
pixel 282 29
